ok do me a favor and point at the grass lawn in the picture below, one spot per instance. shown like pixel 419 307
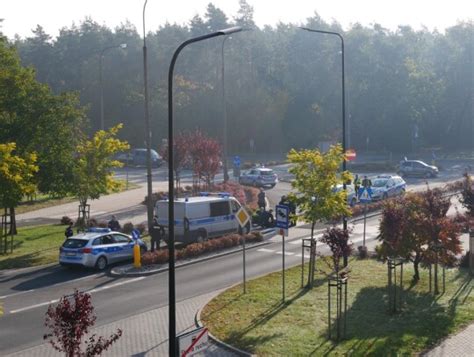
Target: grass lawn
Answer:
pixel 258 323
pixel 34 246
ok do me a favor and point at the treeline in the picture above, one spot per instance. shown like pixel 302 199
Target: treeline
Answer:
pixel 405 89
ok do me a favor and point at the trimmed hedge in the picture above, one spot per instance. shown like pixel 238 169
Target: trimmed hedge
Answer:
pixel 197 249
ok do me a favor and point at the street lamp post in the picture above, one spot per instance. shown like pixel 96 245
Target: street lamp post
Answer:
pixel 344 219
pixel 171 260
pixel 224 107
pixel 147 130
pixel 122 45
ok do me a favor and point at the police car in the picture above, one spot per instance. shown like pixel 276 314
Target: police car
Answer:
pixel 97 248
pixel 385 186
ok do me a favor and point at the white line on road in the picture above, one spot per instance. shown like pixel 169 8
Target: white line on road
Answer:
pixel 265 250
pixel 286 253
pixel 15 294
pixel 88 291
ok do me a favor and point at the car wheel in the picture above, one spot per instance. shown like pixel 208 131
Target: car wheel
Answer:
pixel 101 263
pixel 272 185
pixel 353 201
pixel 201 237
pixel 245 230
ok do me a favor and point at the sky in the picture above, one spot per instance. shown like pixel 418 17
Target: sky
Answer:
pixel 21 16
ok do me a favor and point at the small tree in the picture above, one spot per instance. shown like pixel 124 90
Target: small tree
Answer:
pixel 181 145
pixel 338 241
pixel 69 321
pixel 16 179
pixel 316 176
pixel 205 154
pixel 93 165
pixel 413 225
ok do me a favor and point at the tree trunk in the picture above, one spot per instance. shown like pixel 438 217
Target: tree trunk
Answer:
pixel 416 263
pixel 13 230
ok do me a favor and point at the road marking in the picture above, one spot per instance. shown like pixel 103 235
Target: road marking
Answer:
pixel 306 256
pixel 87 291
pixel 15 294
pixel 265 250
pixel 286 253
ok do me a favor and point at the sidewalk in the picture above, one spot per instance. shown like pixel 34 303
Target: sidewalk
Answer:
pixel 145 334
pixel 459 345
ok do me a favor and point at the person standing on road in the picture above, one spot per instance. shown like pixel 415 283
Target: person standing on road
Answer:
pixel 366 182
pixel 262 203
pixel 156 233
pixel 69 233
pixel 356 185
pixel 114 224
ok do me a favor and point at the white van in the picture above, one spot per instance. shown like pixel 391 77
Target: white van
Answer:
pixel 200 218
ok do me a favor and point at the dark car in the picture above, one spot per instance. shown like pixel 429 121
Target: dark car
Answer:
pixel 137 157
pixel 417 168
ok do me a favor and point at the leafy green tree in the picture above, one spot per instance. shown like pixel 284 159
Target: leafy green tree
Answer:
pixel 93 165
pixel 38 121
pixel 316 176
pixel 16 178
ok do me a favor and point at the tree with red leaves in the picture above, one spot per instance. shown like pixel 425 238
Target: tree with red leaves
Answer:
pixel 69 321
pixel 181 151
pixel 416 227
pixel 338 241
pixel 205 155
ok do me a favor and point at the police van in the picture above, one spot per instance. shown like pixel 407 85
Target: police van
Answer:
pixel 200 218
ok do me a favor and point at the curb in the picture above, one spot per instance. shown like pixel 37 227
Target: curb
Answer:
pixel 214 339
pixel 114 271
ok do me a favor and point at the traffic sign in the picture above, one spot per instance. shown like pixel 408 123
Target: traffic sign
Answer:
pixel 365 194
pixel 282 213
pixel 242 217
pixel 350 154
pixel 236 161
pixel 135 234
pixel 193 343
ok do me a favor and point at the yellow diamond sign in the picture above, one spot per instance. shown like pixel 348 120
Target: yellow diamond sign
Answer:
pixel 242 217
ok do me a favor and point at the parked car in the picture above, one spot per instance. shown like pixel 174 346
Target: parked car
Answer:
pixel 385 186
pixel 97 248
pixel 137 157
pixel 417 168
pixel 260 176
pixel 199 218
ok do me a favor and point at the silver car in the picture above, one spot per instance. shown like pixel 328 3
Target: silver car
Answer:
pixel 417 168
pixel 259 176
pixel 98 248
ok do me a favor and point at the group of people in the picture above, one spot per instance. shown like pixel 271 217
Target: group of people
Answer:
pixel 265 217
pixel 156 231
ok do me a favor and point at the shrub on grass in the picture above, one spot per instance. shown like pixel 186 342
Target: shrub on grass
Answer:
pixel 65 220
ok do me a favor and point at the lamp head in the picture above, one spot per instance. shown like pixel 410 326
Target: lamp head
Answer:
pixel 230 30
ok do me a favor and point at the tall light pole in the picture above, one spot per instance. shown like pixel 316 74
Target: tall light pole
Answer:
pixel 171 271
pixel 224 107
pixel 344 219
pixel 122 45
pixel 149 206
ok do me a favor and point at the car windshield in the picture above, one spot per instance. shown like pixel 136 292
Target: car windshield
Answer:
pixel 379 183
pixel 75 243
pixel 266 172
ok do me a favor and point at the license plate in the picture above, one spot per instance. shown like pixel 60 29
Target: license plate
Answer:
pixel 69 254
